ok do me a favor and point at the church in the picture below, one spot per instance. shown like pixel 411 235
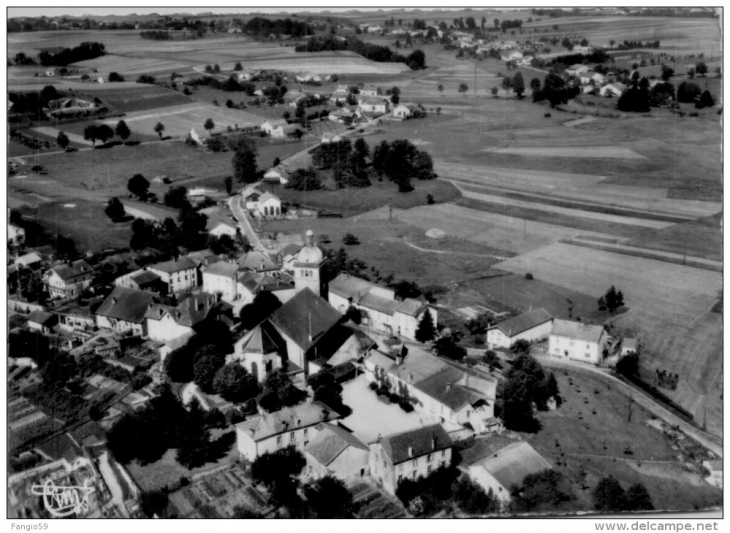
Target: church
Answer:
pixel 306 331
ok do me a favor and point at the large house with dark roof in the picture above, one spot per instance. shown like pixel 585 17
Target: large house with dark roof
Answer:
pixel 166 322
pixel 530 326
pixel 68 280
pixel 577 341
pixel 381 310
pixel 456 396
pixel 179 274
pixel 409 455
pixel 337 452
pixel 292 426
pixel 221 278
pixel 125 310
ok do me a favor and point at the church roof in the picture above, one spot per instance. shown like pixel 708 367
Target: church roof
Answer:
pixel 306 318
pixel 261 340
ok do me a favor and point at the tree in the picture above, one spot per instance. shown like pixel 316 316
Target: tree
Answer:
pixel 207 363
pixel 304 180
pixel 104 133
pixel 123 131
pixel 280 392
pixel 518 84
pixel 667 72
pixel 535 84
pixel 495 91
pixel 416 60
pixel 278 471
pixel 114 209
pixel 234 383
pixel 153 503
pixel 638 499
pixel 193 226
pixel 691 73
pixel 608 495
pixel 329 498
pixel 447 347
pixel 611 301
pixel 209 125
pixel 138 186
pixel 115 77
pixel 441 88
pixel 221 244
pixel 687 92
pixel 395 99
pixel 263 305
pixel 228 183
pixel 463 87
pixel 472 498
pixel 634 99
pixel 628 365
pixel 426 329
pixel 543 490
pixel 706 99
pixel 176 197
pixel 90 134
pixel 526 384
pixel 59 370
pixel 159 129
pixel 349 239
pixel 238 66
pixel 244 164
pixel 242 512
pixel 62 140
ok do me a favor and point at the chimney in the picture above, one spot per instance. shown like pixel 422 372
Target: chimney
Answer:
pixel 398 359
pixel 410 451
pixel 114 300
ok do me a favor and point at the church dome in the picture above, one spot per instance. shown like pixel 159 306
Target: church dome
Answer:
pixel 310 253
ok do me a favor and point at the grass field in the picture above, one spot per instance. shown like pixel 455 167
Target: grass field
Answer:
pixel 131 67
pixel 573 437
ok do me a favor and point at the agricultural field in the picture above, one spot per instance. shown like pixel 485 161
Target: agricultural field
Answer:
pixel 180 119
pixel 132 66
pixel 590 433
pixel 669 307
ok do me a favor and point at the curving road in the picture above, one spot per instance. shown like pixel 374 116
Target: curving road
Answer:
pixel 234 203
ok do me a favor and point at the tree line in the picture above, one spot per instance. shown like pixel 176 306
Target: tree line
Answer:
pixel 263 27
pixel 83 52
pixel 381 54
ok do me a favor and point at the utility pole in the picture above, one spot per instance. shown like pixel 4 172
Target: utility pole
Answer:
pixel 475 79
pixel 631 399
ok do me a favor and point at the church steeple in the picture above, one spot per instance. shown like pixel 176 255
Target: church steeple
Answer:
pixel 307 268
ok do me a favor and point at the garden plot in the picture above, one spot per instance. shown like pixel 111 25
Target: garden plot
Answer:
pixel 597 152
pixel 179 120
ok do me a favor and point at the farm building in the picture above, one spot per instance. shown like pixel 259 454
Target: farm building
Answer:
pixel 341 114
pixel 294 98
pixel 329 137
pixel 530 326
pixel 141 280
pixel 68 280
pixel 165 322
pixel 290 130
pixel 576 70
pixel 278 174
pixel 30 260
pixel 293 426
pixel 612 90
pixel 41 321
pixel 401 111
pixel 337 452
pixel 512 56
pixel 577 341
pixel 262 203
pixel 409 455
pixel 270 125
pixel 382 312
pixel 629 345
pixel 506 469
pixel 308 78
pixel 370 104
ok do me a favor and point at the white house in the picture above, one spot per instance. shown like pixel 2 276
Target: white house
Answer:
pixel 270 125
pixel 507 468
pixel 16 234
pixel 263 204
pixel 221 278
pixel 30 260
pixel 370 104
pixel 381 309
pixel 293 426
pixel 218 225
pixel 401 111
pixel 41 321
pixel 166 323
pixel 512 56
pixel 179 274
pixel 125 310
pixel 576 70
pixel 68 281
pixel 287 130
pixel 577 341
pixel 615 89
pixel 409 455
pixel 337 452
pixel 531 326
pixel 330 137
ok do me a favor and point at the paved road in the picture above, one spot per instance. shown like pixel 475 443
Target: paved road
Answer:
pixel 234 202
pixel 711 442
